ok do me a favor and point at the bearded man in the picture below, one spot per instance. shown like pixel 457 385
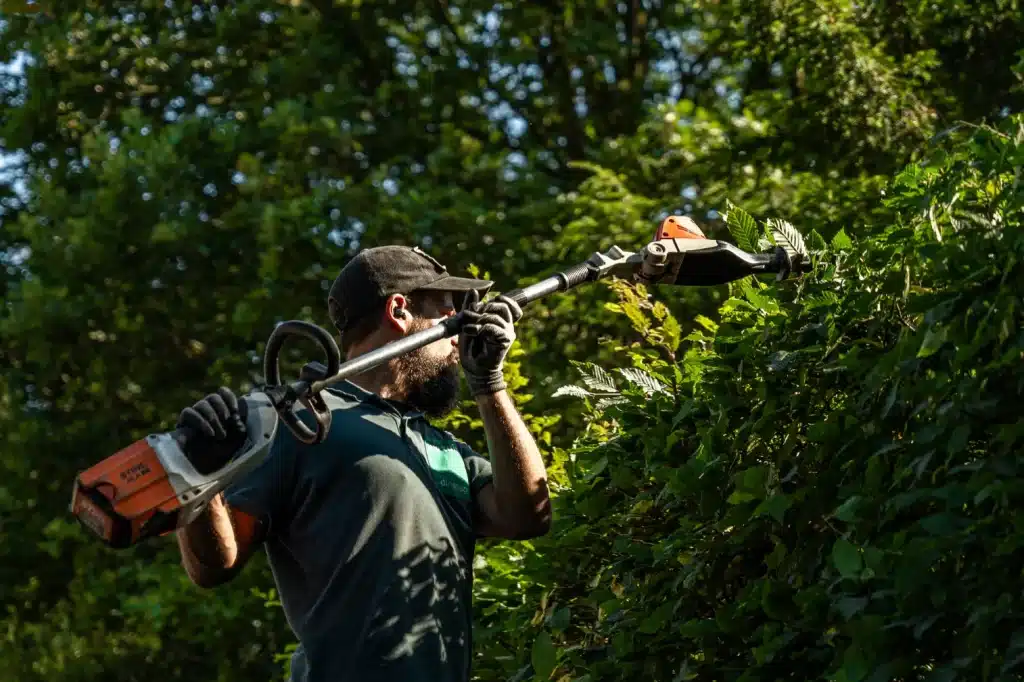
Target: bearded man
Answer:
pixel 371 534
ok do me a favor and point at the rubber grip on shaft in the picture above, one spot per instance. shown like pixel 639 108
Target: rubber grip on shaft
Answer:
pixel 560 282
pixel 577 274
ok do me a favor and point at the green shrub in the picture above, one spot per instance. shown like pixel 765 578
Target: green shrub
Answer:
pixel 822 483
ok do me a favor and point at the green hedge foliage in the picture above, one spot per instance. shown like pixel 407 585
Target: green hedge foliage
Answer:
pixel 820 483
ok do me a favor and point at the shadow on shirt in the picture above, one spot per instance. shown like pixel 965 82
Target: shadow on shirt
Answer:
pixel 380 589
pixel 418 627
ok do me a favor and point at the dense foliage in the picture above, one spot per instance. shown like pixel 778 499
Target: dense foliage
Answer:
pixel 177 177
pixel 821 482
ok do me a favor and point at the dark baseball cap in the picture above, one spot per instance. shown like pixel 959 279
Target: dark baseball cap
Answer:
pixel 373 274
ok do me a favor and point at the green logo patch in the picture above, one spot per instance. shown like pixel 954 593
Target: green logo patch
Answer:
pixel 448 468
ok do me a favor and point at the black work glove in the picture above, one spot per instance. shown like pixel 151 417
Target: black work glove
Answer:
pixel 213 430
pixel 488 331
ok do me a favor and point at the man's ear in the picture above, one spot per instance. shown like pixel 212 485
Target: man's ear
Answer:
pixel 396 313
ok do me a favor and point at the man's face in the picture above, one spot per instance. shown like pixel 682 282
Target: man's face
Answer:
pixel 431 373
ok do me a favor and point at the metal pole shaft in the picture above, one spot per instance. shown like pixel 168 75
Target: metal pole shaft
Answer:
pixel 538 290
pixel 449 327
pixel 389 351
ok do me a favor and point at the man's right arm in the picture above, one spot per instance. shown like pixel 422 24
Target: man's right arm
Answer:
pixel 218 543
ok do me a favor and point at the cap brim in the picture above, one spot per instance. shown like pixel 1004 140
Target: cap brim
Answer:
pixel 459 284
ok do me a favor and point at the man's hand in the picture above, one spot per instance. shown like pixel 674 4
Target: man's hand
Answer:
pixel 517 504
pixel 486 336
pixel 217 544
pixel 215 428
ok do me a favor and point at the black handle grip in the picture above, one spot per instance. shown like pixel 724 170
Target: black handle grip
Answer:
pixel 520 296
pixel 517 295
pixel 307 330
pixel 313 371
pixel 313 402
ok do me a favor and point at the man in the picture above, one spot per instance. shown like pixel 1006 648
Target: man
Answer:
pixel 371 534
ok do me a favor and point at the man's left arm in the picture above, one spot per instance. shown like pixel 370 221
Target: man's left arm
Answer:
pixel 515 505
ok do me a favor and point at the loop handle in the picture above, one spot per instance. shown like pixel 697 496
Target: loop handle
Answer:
pixel 300 390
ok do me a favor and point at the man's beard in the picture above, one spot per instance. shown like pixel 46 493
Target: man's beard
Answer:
pixel 432 384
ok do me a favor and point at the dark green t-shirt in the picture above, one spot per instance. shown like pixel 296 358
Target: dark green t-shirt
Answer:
pixel 371 542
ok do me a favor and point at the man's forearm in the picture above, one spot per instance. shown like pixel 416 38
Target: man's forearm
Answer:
pixel 520 479
pixel 208 545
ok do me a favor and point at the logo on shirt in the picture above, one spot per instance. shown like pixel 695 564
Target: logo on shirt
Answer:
pixel 448 468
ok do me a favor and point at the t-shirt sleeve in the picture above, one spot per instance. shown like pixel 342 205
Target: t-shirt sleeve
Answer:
pixel 478 470
pixel 264 490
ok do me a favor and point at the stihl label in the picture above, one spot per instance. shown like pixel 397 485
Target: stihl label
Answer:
pixel 135 472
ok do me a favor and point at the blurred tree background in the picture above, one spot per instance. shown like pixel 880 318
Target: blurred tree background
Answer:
pixel 177 177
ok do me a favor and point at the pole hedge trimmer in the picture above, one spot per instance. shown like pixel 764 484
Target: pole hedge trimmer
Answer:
pixel 150 488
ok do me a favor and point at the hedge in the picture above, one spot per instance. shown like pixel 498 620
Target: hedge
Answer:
pixel 822 483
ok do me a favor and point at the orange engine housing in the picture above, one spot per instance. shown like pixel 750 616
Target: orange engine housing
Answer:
pixel 679 227
pixel 127 497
